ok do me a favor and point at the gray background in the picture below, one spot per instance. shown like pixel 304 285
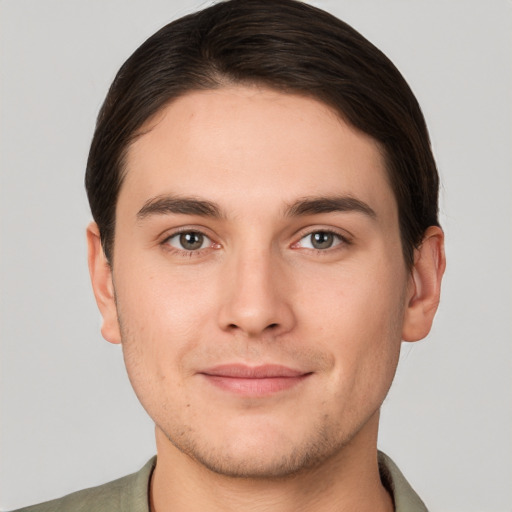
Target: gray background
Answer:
pixel 69 418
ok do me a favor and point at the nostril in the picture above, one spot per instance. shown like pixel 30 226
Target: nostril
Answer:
pixel 272 326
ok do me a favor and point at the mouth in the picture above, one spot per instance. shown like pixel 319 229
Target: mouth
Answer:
pixel 254 380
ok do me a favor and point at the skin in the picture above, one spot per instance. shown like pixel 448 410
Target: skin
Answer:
pixel 259 292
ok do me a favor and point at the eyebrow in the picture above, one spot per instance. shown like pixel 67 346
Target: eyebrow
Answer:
pixel 168 204
pixel 317 205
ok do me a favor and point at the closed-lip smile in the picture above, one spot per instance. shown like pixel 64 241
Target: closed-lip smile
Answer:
pixel 254 381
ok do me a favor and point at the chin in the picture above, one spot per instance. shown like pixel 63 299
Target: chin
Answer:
pixel 258 465
pixel 260 456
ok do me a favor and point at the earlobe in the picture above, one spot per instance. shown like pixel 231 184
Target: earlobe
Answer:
pixel 102 284
pixel 424 285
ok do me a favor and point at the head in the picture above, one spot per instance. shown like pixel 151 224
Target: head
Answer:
pixel 266 233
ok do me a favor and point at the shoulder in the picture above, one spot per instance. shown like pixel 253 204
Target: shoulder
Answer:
pixel 127 494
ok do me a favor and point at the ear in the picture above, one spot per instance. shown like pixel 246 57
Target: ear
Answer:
pixel 102 284
pixel 424 285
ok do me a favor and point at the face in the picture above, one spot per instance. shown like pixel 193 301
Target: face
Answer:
pixel 260 286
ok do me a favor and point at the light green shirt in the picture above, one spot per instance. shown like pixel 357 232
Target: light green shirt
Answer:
pixel 130 493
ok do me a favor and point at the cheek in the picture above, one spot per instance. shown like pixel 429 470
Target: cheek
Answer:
pixel 358 319
pixel 160 297
pixel 162 316
pixel 362 299
pixel 158 329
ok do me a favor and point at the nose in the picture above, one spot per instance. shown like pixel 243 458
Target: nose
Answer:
pixel 257 299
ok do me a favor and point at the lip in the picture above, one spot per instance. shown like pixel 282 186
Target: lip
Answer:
pixel 254 381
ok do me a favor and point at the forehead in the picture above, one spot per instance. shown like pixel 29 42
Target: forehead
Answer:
pixel 240 142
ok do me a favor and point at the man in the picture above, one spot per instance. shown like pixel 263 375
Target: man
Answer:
pixel 265 236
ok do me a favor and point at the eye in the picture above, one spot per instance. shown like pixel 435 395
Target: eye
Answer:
pixel 320 240
pixel 189 241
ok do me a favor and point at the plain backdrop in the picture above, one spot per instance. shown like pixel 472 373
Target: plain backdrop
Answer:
pixel 69 418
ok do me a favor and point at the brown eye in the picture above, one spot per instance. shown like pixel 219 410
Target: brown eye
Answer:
pixel 189 241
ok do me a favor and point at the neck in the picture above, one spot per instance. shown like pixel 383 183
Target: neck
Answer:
pixel 349 480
